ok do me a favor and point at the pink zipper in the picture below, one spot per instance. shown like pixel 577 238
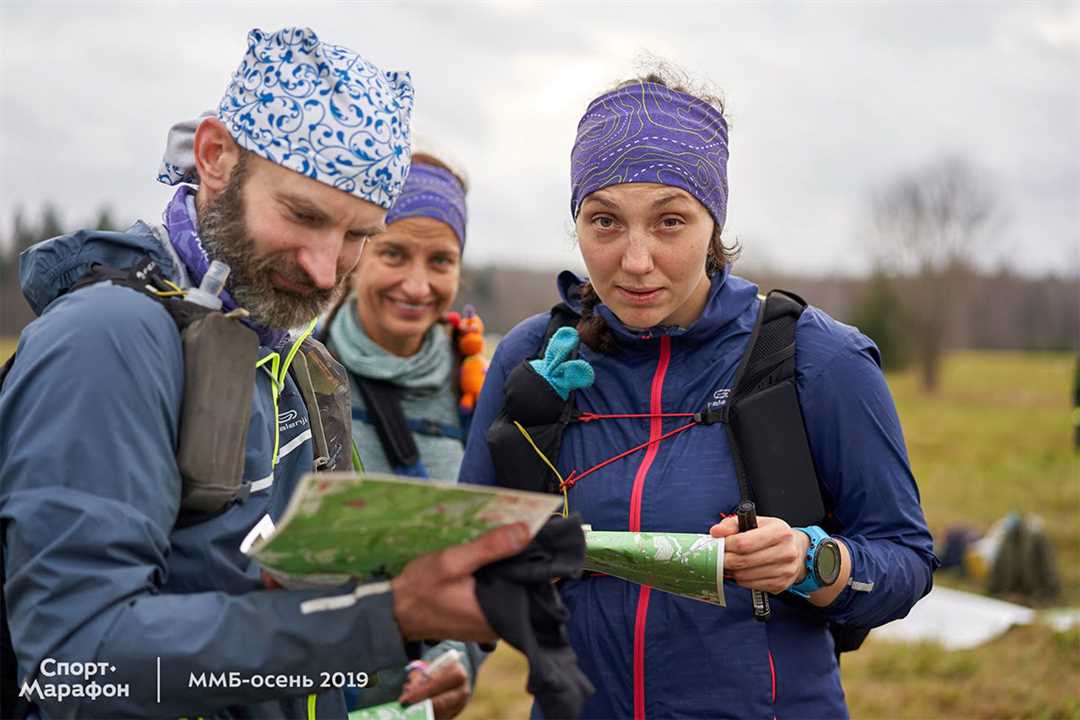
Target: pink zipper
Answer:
pixel 772 672
pixel 656 429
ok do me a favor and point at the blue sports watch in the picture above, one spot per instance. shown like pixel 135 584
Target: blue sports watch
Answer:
pixel 822 562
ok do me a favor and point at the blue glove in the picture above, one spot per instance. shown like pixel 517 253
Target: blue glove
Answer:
pixel 562 374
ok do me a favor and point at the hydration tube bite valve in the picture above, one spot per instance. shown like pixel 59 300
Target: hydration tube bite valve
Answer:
pixel 747 514
pixel 209 291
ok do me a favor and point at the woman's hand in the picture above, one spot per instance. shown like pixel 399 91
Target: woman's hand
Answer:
pixel 771 557
pixel 448 690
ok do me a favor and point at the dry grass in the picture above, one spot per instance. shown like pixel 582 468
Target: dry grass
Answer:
pixel 7 348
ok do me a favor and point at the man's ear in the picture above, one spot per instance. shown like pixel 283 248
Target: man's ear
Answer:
pixel 216 154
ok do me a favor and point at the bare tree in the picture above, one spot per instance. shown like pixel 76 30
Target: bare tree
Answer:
pixel 931 223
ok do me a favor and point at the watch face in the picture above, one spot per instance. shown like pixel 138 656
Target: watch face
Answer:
pixel 827 562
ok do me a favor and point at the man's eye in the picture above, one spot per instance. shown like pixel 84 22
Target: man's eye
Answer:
pixel 604 222
pixel 304 218
pixel 672 222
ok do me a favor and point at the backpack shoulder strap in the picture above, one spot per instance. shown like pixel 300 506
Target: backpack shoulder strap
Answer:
pixel 383 402
pixel 770 354
pixel 141 276
pixel 765 425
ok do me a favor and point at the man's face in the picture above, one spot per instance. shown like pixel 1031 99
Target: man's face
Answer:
pixel 288 239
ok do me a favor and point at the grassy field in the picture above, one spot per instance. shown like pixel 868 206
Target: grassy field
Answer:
pixel 996 439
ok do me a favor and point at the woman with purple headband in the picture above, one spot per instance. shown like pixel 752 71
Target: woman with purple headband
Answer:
pixel 663 325
pixel 387 333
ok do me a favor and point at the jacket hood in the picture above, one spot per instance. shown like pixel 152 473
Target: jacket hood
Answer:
pixel 729 296
pixel 48 269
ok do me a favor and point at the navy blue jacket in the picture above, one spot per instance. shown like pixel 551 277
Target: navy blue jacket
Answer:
pixel 89 494
pixel 653 654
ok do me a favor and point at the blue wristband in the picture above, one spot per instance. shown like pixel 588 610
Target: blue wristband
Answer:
pixel 810 582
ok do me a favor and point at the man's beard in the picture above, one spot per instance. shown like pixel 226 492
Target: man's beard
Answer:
pixel 224 234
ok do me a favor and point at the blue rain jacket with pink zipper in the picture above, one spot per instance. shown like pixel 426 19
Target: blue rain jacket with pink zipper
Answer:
pixel 652 654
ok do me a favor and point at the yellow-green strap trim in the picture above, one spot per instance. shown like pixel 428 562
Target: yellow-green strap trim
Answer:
pixel 277 372
pixel 295 349
pixel 311 707
pixel 275 361
pixel 357 463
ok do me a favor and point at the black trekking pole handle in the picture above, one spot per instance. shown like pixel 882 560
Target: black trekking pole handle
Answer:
pixel 747 515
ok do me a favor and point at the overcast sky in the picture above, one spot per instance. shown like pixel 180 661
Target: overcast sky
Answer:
pixel 826 102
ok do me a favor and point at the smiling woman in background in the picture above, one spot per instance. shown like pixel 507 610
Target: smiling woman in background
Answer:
pixel 403 362
pixel 388 334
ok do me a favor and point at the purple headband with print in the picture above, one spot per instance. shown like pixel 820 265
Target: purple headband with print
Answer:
pixel 647 132
pixel 431 192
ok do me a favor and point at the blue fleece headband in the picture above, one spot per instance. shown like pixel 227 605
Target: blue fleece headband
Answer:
pixel 435 193
pixel 648 133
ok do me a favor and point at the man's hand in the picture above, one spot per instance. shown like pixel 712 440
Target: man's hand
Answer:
pixel 448 690
pixel 435 595
pixel 769 558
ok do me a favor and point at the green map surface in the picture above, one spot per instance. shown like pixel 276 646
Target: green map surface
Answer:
pixel 684 564
pixel 371 526
pixel 394 711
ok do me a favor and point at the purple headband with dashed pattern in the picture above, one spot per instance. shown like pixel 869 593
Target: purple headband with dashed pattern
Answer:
pixel 435 193
pixel 647 132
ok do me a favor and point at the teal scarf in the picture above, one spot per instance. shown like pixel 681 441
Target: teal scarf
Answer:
pixel 428 369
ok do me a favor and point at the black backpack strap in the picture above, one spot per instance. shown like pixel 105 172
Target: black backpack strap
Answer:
pixel 768 434
pixel 383 401
pixel 765 425
pixel 770 355
pixel 145 277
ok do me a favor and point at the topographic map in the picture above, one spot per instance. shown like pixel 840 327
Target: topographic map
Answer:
pixel 680 563
pixel 341 525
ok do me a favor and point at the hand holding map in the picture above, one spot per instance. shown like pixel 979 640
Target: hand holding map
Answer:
pixel 341 526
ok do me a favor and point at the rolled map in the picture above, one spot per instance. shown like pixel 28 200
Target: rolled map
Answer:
pixel 684 564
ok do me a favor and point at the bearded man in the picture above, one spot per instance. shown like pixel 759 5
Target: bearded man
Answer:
pixel 106 564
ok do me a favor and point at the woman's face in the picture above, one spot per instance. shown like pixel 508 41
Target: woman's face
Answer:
pixel 406 279
pixel 644 246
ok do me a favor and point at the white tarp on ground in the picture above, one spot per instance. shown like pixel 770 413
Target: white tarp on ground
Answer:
pixel 956 619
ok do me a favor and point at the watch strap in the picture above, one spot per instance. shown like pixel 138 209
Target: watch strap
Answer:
pixel 810 583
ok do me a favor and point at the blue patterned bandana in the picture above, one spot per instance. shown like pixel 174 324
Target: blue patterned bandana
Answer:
pixel 435 193
pixel 649 133
pixel 315 108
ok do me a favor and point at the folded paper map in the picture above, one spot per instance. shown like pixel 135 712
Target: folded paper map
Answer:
pixel 341 525
pixel 680 563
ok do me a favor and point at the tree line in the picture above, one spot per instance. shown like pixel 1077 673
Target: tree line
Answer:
pixel 927 227
pixel 25 231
